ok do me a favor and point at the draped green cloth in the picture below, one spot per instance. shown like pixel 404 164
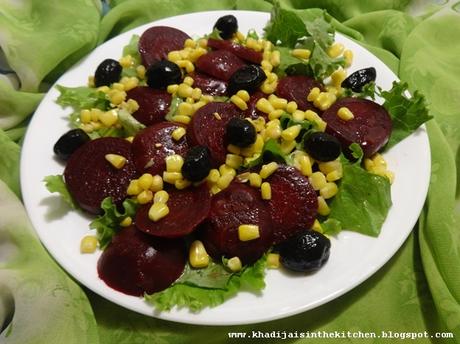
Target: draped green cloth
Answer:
pixel 417 290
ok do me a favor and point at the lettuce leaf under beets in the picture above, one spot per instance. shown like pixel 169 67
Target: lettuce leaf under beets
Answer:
pixel 285 27
pixel 56 184
pixel 407 114
pixel 108 224
pixel 82 98
pixel 185 293
pixel 362 203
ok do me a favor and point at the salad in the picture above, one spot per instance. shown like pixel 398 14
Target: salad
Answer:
pixel 190 157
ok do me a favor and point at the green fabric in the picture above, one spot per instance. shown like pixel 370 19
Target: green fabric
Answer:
pixel 417 290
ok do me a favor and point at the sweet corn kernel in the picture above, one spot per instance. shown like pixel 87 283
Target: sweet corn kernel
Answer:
pixel 291 107
pixel 338 76
pixel 133 188
pixel 215 189
pixel 182 184
pixel 301 53
pixel 157 211
pixel 129 83
pixel 203 42
pixel 197 255
pixel 268 88
pixel 225 169
pixel 109 118
pixel 248 232
pixel 199 104
pixel 85 116
pixel 186 64
pixel 266 66
pixel 181 119
pixel 333 176
pixel 277 103
pixel 189 43
pixel 318 180
pixel 324 100
pixel 197 53
pixel 184 90
pixel 266 191
pixel 95 113
pixel 145 197
pixel 348 56
pixel 103 89
pixel 116 97
pixel 290 134
pixel 268 169
pixel 224 181
pixel 174 163
pixel 213 176
pixel 127 221
pixel 317 226
pixel 272 78
pixel 345 114
pixel 91 81
pixel 298 115
pixel 368 164
pixel 275 58
pixel 390 175
pixel 88 244
pixel 288 146
pixel 272 132
pixel 323 208
pixel 171 177
pixel 171 89
pixel 140 70
pixel 178 133
pixel 157 183
pixel 264 105
pixel 329 190
pixel 335 50
pixel 184 109
pixel 273 260
pixel 243 95
pixel 234 264
pixel 305 165
pixel 243 177
pixel 196 93
pixel 190 100
pixel 126 61
pixel 234 149
pixel 330 166
pixel 379 160
pixel 275 114
pixel 96 125
pixel 255 180
pixel 313 95
pixel 145 181
pixel 174 56
pixel 217 116
pixel 116 160
pixel 240 103
pixel 233 160
pixel 160 197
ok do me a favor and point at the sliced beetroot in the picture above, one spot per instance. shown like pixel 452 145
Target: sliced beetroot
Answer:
pixel 153 144
pixel 208 129
pixel 237 205
pixel 296 88
pixel 370 127
pixel 187 209
pixel 136 263
pixel 252 111
pixel 220 64
pixel 155 43
pixel 90 177
pixel 209 85
pixel 245 53
pixel 294 205
pixel 153 104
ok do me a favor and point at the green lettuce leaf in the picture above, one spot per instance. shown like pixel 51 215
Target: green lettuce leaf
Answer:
pixel 82 98
pixel 195 298
pixel 270 152
pixel 56 184
pixel 130 125
pixel 175 101
pixel 362 203
pixel 132 49
pixel 108 224
pixel 407 114
pixel 284 27
pixel 214 276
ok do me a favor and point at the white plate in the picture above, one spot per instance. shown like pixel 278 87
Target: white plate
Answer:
pixel 353 259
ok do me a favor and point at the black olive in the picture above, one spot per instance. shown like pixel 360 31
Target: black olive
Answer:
pixel 306 251
pixel 358 79
pixel 197 164
pixel 322 146
pixel 163 73
pixel 227 26
pixel 69 142
pixel 108 72
pixel 247 78
pixel 240 132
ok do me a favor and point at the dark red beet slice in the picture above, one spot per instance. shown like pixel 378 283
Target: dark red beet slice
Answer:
pixel 187 209
pixel 294 204
pixel 90 177
pixel 370 127
pixel 153 104
pixel 296 88
pixel 155 43
pixel 208 130
pixel 252 111
pixel 150 158
pixel 220 64
pixel 245 53
pixel 237 205
pixel 136 263
pixel 209 85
